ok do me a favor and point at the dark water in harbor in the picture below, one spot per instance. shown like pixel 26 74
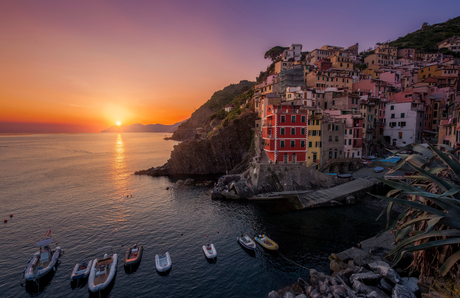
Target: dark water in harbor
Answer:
pixel 77 186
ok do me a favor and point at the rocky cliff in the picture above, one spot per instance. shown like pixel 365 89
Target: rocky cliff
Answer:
pixel 200 118
pixel 227 148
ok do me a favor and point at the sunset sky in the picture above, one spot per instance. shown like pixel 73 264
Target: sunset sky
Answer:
pixel 81 66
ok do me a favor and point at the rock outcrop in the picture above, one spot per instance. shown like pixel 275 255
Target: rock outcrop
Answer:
pixel 226 149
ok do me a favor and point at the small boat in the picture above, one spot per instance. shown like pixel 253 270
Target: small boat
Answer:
pixel 163 262
pixel 266 242
pixel 43 260
pixel 378 169
pixel 209 251
pixel 133 255
pixel 81 270
pixel 247 242
pixel 102 271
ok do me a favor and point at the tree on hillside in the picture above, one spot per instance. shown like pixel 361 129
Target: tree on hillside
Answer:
pixel 274 53
pixel 424 25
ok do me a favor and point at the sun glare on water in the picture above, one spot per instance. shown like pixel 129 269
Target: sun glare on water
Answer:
pixel 118 123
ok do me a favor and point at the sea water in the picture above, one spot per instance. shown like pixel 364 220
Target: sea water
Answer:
pixel 82 187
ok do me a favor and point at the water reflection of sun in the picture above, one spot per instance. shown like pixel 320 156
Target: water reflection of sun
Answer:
pixel 120 180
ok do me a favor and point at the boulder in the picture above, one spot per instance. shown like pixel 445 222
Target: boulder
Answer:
pixel 385 286
pixel 301 296
pixel 288 295
pixel 316 277
pixel 386 271
pixel 350 200
pixel 368 278
pixel 360 287
pixel 379 292
pixel 273 294
pixel 180 182
pixel 335 266
pixel 189 182
pixel 411 283
pixel 400 291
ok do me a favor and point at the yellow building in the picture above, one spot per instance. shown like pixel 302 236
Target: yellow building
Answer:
pixel 341 60
pixel 436 70
pixel 325 79
pixel 372 70
pixel 314 138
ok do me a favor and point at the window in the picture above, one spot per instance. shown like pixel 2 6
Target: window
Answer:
pixel 292 131
pixel 400 134
pixel 319 132
pixel 336 138
pixel 392 108
pixel 282 144
pixel 282 132
pixel 336 127
pixel 303 119
pixel 302 143
pixel 302 131
pixel 402 115
pixel 333 102
pixel 349 141
pixel 292 144
pixel 309 144
pixel 308 121
pixel 350 131
pixel 293 119
pixel 392 115
pixel 314 133
pixel 330 138
pixel 283 118
pixel 317 122
pixel 345 142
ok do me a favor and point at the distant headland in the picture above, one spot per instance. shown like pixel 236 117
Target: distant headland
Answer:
pixel 144 128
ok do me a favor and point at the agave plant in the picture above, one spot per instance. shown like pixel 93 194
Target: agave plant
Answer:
pixel 430 226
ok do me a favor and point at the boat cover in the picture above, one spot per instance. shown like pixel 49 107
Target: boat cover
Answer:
pixel 44 242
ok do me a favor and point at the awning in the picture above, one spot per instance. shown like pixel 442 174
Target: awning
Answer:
pixel 44 242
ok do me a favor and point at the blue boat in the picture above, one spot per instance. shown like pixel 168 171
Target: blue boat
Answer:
pixel 378 169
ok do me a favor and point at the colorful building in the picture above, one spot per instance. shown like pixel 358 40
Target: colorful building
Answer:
pixel 285 133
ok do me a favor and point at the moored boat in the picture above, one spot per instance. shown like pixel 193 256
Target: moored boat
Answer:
pixel 209 251
pixel 266 242
pixel 133 255
pixel 378 169
pixel 247 242
pixel 81 270
pixel 163 262
pixel 102 271
pixel 43 260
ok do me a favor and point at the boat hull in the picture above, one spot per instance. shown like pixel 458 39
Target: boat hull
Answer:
pixel 131 262
pixel 162 264
pixel 77 274
pixel 210 253
pixel 266 242
pixel 92 287
pixel 251 245
pixel 31 274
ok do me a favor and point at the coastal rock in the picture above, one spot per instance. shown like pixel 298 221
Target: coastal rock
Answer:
pixel 189 182
pixel 288 295
pixel 273 294
pixel 350 200
pixel 360 287
pixel 368 278
pixel 379 292
pixel 411 283
pixel 386 271
pixel 316 277
pixel 301 296
pixel 221 152
pixel 400 291
pixel 385 286
pixel 179 182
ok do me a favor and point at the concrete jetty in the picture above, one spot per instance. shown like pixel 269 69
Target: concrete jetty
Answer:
pixel 343 194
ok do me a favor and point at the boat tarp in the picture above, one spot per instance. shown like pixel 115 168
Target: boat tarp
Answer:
pixel 44 242
pixel 393 159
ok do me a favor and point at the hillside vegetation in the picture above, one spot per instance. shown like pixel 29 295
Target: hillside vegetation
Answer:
pixel 200 118
pixel 426 38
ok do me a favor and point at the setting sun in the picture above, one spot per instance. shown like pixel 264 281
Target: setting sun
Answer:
pixel 118 123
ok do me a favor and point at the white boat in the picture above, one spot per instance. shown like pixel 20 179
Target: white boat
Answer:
pixel 81 270
pixel 102 271
pixel 247 242
pixel 43 260
pixel 210 251
pixel 163 262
